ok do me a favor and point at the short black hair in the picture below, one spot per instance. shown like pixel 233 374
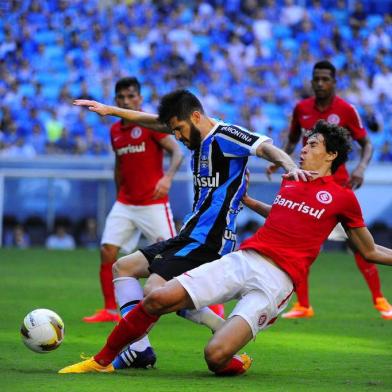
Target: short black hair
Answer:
pixel 337 139
pixel 127 82
pixel 180 104
pixel 325 64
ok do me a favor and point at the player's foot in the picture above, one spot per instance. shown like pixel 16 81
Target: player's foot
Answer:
pixel 384 307
pixel 87 366
pixel 102 316
pixel 218 309
pixel 135 359
pixel 298 311
pixel 239 364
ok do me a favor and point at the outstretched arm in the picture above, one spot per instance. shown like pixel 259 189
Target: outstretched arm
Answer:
pixel 143 119
pixel 274 154
pixel 364 243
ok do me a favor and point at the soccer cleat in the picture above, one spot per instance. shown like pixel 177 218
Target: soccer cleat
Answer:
pixel 298 311
pixel 87 366
pixel 246 360
pixel 384 307
pixel 102 316
pixel 135 359
pixel 239 364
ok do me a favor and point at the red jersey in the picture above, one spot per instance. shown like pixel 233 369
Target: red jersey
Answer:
pixel 340 112
pixel 140 158
pixel 301 218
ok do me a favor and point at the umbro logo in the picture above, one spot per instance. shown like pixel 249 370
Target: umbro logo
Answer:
pixel 158 256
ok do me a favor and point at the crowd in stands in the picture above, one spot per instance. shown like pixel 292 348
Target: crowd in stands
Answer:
pixel 249 61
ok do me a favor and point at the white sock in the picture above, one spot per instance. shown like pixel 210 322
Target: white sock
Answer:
pixel 204 316
pixel 129 293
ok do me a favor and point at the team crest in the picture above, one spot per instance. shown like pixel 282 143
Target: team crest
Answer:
pixel 136 133
pixel 324 197
pixel 262 319
pixel 333 119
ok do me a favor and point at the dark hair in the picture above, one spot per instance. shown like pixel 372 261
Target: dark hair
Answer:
pixel 127 82
pixel 325 64
pixel 180 104
pixel 337 139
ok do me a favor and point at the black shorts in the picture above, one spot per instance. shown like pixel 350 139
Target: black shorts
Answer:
pixel 177 255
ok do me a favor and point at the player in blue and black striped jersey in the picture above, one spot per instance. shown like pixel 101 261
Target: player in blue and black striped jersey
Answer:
pixel 220 153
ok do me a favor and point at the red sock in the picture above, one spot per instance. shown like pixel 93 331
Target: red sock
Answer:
pixel 235 367
pixel 218 309
pixel 106 277
pixel 370 273
pixel 302 291
pixel 132 327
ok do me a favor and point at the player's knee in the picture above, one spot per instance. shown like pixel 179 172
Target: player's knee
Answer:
pixel 108 254
pixel 125 267
pixel 215 355
pixel 155 302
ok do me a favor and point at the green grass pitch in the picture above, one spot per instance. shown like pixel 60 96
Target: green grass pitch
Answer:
pixel 346 347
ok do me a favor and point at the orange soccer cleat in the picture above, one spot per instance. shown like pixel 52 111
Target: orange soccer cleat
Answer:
pixel 298 311
pixel 87 366
pixel 384 307
pixel 103 316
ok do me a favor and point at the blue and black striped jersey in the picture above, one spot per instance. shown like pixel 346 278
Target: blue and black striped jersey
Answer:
pixel 219 166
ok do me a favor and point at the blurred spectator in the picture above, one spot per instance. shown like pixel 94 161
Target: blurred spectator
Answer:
pixel 386 152
pixel 89 237
pixel 17 238
pixel 219 49
pixel 60 239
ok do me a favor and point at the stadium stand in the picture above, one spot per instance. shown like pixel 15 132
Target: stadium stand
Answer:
pixel 248 53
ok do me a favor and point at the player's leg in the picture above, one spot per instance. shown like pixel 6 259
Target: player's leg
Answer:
pixel 370 273
pixel 156 223
pixel 126 272
pixel 171 297
pixel 118 229
pixel 264 292
pixel 220 352
pixel 301 308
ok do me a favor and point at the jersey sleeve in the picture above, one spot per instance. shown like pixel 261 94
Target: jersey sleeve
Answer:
pixel 295 127
pixel 351 217
pixel 354 124
pixel 235 141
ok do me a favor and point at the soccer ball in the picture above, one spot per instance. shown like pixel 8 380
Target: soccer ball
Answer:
pixel 42 330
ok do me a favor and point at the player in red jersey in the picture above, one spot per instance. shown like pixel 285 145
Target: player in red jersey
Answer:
pixel 142 204
pixel 328 106
pixel 264 272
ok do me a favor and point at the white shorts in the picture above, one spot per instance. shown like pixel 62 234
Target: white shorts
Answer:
pixel 338 233
pixel 263 289
pixel 125 224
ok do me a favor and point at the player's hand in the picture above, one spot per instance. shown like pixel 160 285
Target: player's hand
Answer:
pixel 270 170
pixel 247 178
pixel 162 187
pixel 356 179
pixel 93 106
pixel 297 174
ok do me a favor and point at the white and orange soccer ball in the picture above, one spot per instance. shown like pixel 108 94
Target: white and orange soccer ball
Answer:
pixel 42 330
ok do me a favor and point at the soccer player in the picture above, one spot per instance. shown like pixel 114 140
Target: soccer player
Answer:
pixel 142 204
pixel 328 106
pixel 266 269
pixel 219 156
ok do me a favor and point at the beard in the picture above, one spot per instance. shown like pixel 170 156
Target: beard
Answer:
pixel 194 137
